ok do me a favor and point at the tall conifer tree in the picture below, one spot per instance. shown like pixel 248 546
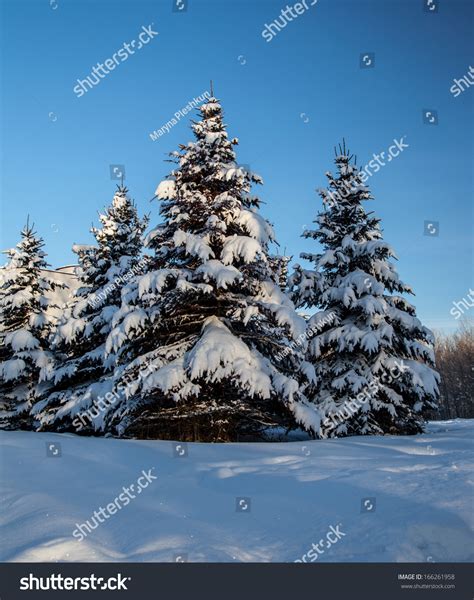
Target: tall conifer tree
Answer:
pixel 79 338
pixel 201 336
pixel 373 358
pixel 25 359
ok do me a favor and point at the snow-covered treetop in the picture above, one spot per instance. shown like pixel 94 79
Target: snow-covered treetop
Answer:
pixel 103 269
pixel 121 233
pixel 206 203
pixel 28 255
pixel 22 283
pixel 25 322
pixel 118 247
pixel 351 237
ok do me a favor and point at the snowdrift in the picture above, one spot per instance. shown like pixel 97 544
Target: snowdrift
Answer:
pixel 391 498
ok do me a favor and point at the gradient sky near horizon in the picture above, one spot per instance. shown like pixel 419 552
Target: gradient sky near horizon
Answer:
pixel 289 101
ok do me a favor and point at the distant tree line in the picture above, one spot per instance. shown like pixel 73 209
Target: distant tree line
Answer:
pixel 455 364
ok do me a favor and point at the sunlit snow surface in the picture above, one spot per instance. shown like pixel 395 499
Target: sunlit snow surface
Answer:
pixel 422 486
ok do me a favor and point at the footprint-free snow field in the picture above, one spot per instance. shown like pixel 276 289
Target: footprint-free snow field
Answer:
pixel 362 499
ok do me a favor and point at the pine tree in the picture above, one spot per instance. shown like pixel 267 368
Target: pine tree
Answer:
pixel 373 358
pixel 25 359
pixel 206 340
pixel 80 335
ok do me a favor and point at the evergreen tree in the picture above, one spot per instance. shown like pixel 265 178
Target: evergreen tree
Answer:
pixel 25 359
pixel 200 337
pixel 279 265
pixel 80 335
pixel 373 358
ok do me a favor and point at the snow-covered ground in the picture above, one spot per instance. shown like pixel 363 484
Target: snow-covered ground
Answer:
pixel 390 498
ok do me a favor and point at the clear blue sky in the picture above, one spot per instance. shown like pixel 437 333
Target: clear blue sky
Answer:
pixel 289 101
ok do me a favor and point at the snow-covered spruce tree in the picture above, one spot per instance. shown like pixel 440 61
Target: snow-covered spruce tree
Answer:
pixel 206 339
pixel 25 359
pixel 373 358
pixel 279 265
pixel 79 338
